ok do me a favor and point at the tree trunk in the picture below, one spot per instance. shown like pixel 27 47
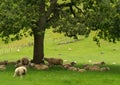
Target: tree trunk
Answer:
pixel 38 54
pixel 39 31
pixel 38 49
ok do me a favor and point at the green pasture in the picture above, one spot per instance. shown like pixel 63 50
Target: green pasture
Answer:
pixel 56 45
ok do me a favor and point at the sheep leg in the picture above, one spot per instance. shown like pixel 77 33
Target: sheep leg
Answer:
pixel 14 75
pixel 21 75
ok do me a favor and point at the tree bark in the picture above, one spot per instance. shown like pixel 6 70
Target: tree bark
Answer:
pixel 38 56
pixel 39 31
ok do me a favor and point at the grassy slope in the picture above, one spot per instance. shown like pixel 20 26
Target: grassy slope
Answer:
pixel 81 51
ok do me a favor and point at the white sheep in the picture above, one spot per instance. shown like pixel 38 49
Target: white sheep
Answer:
pixel 19 71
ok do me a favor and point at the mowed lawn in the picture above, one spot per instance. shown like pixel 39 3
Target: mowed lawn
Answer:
pixel 58 46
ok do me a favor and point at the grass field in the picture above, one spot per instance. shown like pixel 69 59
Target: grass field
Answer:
pixel 62 47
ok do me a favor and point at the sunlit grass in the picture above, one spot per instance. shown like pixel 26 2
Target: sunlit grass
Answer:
pixel 60 76
pixel 66 48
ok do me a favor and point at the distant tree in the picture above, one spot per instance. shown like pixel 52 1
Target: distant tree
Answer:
pixel 20 18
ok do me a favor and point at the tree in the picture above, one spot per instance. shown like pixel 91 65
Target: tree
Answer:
pixel 70 17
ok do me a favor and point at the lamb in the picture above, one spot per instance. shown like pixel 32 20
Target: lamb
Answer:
pixel 54 61
pixel 20 71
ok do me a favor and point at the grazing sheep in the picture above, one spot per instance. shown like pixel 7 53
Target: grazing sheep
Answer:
pixel 104 69
pixel 2 67
pixel 40 66
pixel 99 63
pixel 20 71
pixel 54 61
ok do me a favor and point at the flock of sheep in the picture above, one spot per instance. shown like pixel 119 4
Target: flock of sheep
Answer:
pixel 22 65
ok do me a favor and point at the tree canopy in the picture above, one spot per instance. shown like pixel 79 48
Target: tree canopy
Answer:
pixel 70 17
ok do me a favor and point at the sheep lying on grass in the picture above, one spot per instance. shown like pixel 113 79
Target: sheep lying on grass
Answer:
pixel 20 71
pixel 99 63
pixel 25 61
pixel 96 67
pixel 81 70
pixel 54 61
pixel 4 62
pixel 40 66
pixel 72 68
pixel 2 67
pixel 22 62
pixel 104 69
pixel 69 65
pixel 92 68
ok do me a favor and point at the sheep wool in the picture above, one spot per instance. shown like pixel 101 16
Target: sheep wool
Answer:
pixel 19 71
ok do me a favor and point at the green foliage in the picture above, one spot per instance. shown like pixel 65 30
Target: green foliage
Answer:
pixel 12 20
pixel 17 16
pixel 103 16
pixel 71 17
